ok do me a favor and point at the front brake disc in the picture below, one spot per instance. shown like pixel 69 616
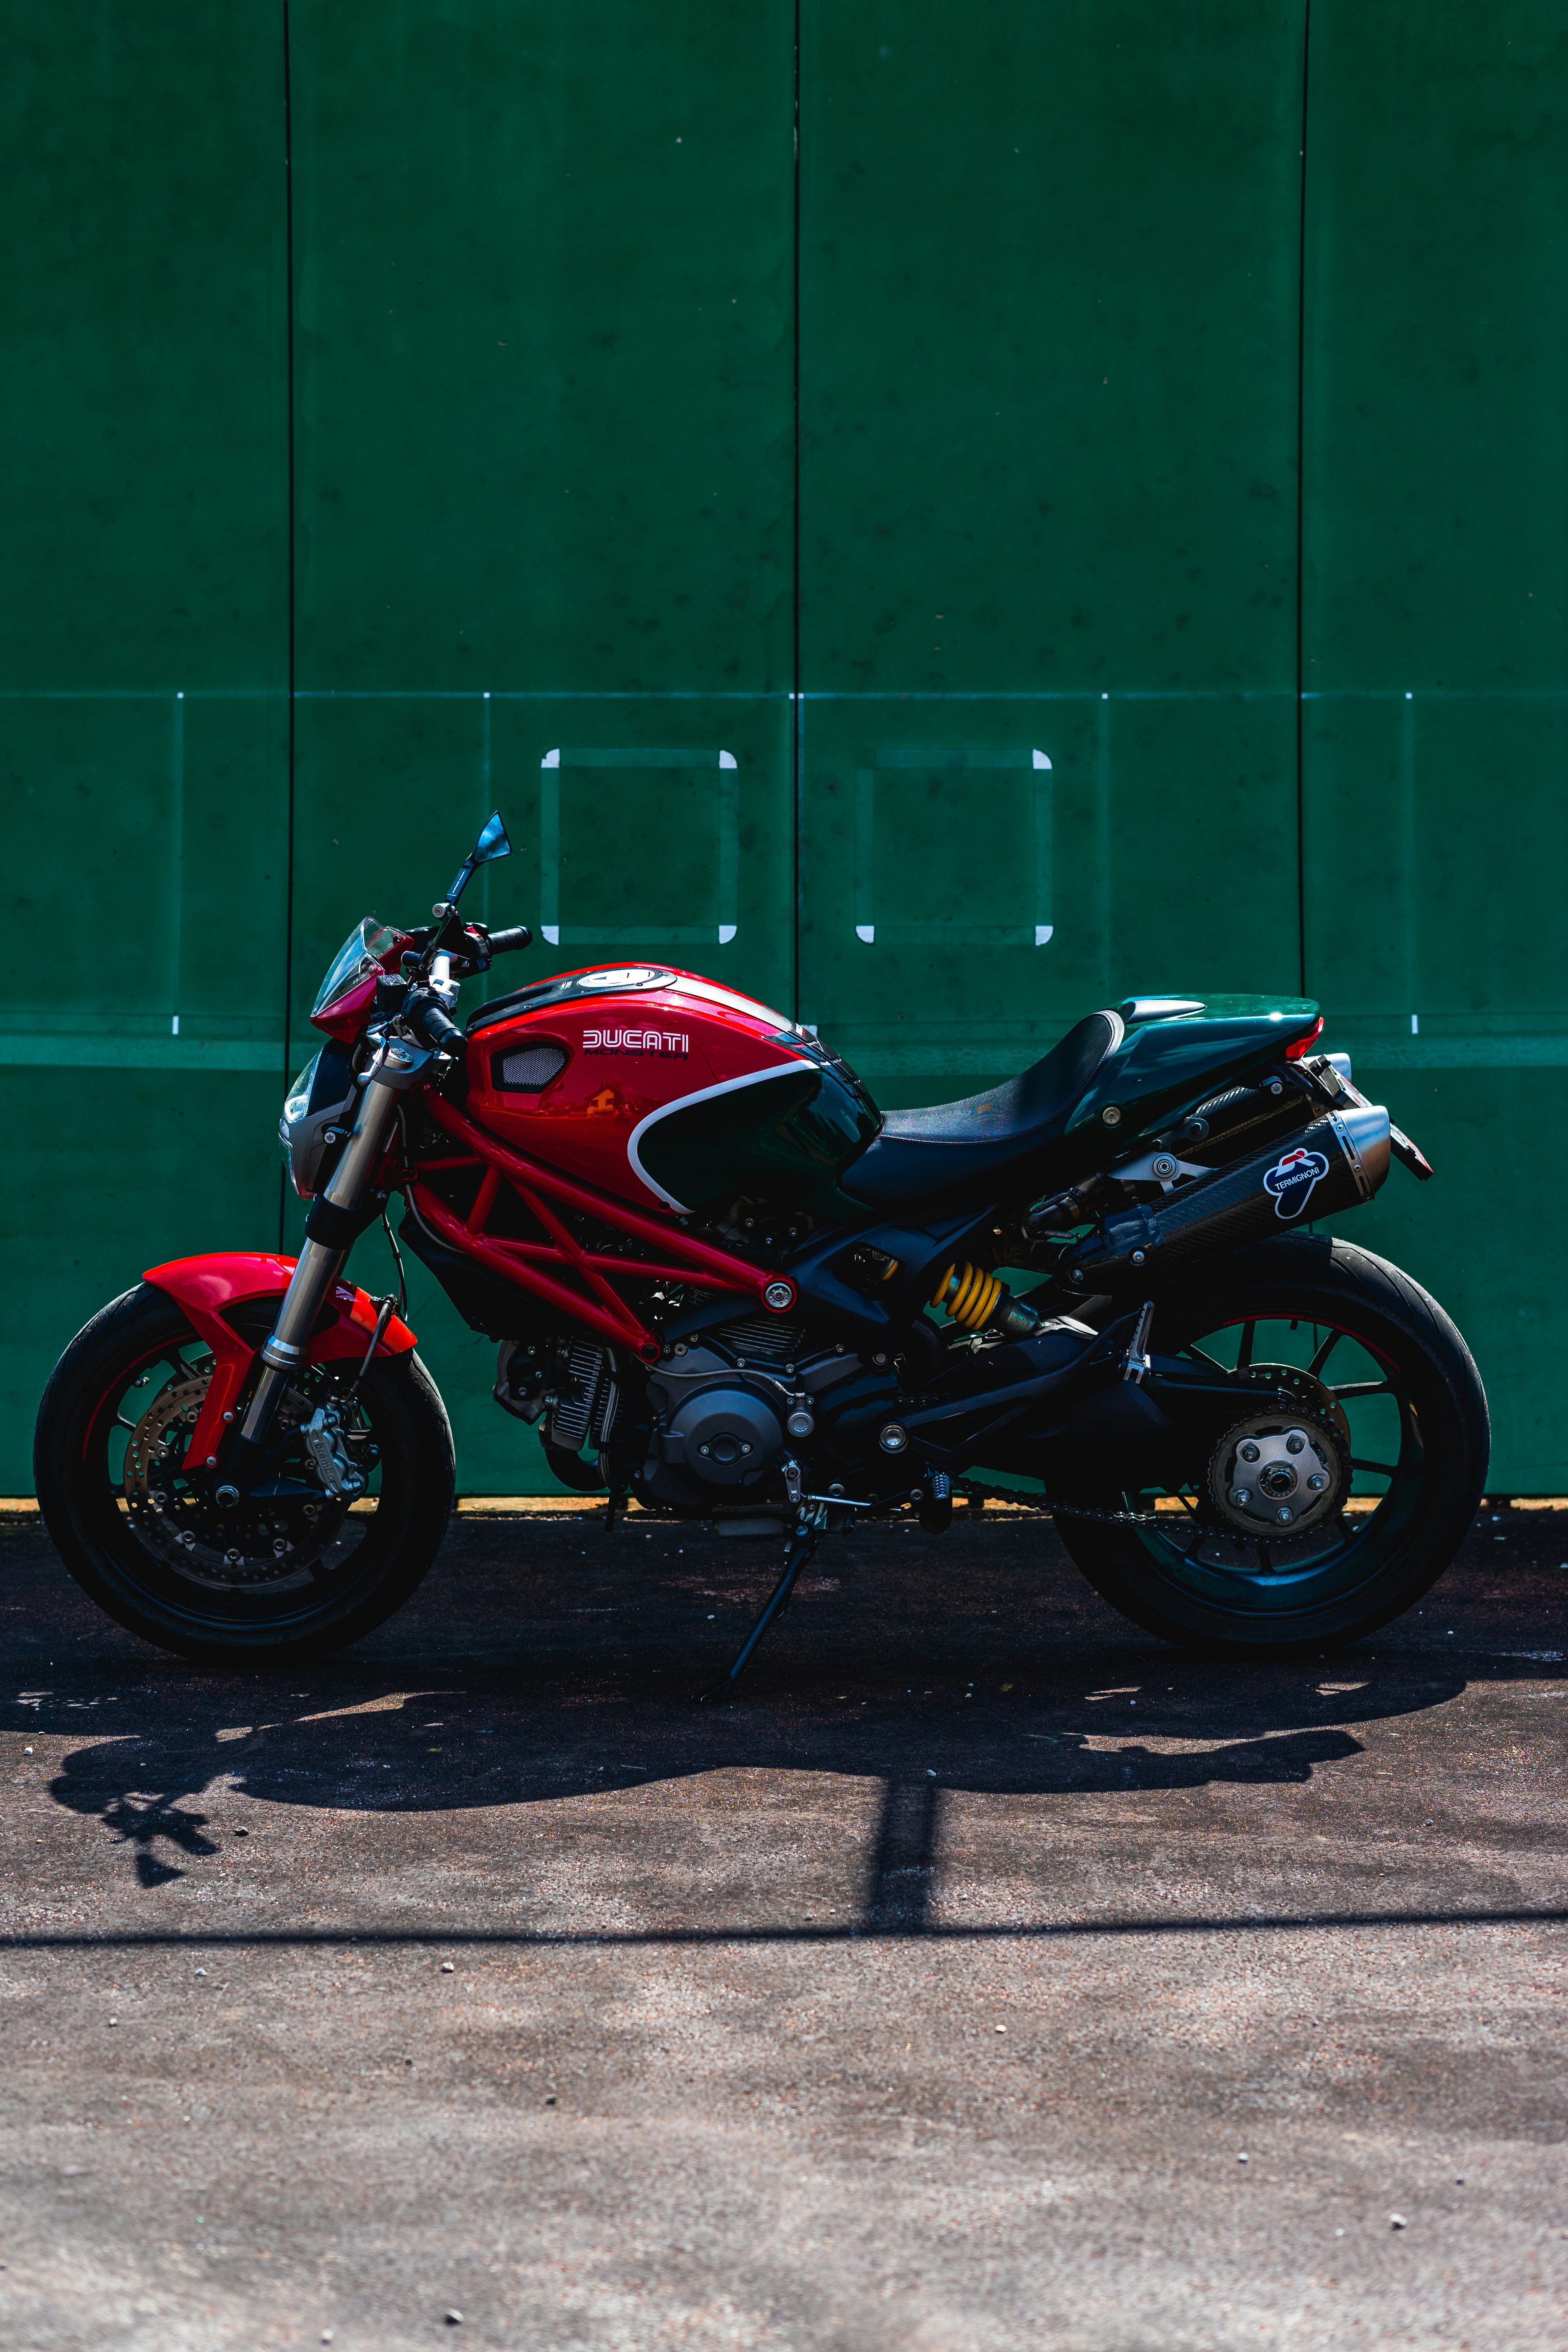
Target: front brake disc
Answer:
pixel 262 1543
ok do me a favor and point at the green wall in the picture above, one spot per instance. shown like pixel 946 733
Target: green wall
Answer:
pixel 1091 516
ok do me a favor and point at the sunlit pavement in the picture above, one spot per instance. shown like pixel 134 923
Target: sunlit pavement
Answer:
pixel 988 1976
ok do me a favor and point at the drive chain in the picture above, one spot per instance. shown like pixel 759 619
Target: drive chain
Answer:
pixel 972 1490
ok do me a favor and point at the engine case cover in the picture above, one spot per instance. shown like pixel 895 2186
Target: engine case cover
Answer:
pixel 725 1433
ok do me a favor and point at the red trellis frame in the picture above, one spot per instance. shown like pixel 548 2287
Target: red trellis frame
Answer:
pixel 539 1265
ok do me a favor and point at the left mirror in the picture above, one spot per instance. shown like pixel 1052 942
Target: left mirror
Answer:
pixel 492 843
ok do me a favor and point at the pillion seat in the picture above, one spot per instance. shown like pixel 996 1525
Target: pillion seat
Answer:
pixel 956 1150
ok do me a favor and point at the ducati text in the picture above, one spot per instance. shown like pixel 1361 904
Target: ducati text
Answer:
pixel 635 1041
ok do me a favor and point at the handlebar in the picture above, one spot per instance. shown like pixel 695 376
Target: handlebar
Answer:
pixel 433 1026
pixel 508 942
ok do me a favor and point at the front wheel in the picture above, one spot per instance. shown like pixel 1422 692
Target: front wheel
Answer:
pixel 283 1578
pixel 1389 1424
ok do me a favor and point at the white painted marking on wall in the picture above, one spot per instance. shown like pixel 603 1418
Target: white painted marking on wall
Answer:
pixel 1416 1024
pixel 177 865
pixel 877 920
pixel 641 935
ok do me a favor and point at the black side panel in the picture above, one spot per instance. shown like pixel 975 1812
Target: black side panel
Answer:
pixel 783 1142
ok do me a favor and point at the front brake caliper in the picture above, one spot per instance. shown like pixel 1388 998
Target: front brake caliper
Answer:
pixel 323 1436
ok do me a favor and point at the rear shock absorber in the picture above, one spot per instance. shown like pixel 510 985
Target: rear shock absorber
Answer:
pixel 978 1301
pixel 967 1295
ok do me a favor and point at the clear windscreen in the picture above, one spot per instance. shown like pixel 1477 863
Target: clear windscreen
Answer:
pixel 360 954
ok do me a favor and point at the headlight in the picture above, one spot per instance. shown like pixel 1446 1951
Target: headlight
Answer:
pixel 319 1106
pixel 297 1101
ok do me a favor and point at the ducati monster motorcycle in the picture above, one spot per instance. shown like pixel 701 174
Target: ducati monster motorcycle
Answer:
pixel 723 1284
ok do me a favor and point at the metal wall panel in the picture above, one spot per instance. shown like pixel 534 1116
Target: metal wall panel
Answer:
pixel 1049 365
pixel 1435 735
pixel 143 654
pixel 1054 362
pixel 545 498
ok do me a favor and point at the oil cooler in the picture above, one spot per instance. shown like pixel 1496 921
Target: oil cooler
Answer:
pixel 1336 1163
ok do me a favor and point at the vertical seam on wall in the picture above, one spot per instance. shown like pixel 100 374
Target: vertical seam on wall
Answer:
pixel 289 374
pixel 1301 514
pixel 797 706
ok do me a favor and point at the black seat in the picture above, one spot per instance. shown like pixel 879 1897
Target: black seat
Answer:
pixel 956 1151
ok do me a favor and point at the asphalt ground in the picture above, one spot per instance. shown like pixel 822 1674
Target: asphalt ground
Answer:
pixel 992 1975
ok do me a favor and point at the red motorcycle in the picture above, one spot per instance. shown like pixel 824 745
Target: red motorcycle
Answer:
pixel 724 1284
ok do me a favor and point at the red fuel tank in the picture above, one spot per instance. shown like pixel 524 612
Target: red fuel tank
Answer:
pixel 669 1090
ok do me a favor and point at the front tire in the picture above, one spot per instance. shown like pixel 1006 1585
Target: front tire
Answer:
pixel 276 1583
pixel 1322 1303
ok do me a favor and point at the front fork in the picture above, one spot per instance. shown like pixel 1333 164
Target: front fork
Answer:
pixel 397 1066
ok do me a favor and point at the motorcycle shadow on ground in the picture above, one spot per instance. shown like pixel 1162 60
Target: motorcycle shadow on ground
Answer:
pixel 543 1663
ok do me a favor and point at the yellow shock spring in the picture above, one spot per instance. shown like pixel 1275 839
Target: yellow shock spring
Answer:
pixel 967 1295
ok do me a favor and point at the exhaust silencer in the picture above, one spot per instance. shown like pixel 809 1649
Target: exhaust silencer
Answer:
pixel 1336 1163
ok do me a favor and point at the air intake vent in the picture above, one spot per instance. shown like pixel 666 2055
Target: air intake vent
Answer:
pixel 528 1070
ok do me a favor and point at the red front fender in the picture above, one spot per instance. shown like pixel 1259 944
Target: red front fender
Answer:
pixel 206 1287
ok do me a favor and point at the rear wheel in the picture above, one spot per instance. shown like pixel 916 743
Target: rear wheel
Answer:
pixel 291 1577
pixel 1312 1526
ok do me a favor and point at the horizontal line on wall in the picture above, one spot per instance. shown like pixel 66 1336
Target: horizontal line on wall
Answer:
pixel 1529 1052
pixel 944 1057
pixel 785 695
pixel 111 1053
pixel 1416 1054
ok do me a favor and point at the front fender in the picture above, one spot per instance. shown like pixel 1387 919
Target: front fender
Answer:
pixel 206 1287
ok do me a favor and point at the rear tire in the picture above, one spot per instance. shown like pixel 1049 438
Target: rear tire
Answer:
pixel 154 1571
pixel 1392 1554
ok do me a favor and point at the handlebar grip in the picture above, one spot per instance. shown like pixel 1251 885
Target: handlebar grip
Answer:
pixel 432 1026
pixel 507 942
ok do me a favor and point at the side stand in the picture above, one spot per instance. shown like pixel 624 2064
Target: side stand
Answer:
pixel 802 1546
